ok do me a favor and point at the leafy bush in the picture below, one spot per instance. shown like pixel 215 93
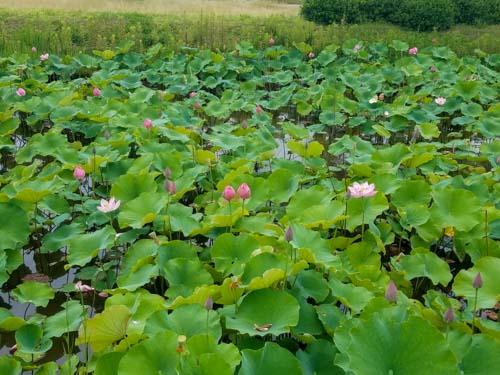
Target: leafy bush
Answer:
pixel 477 11
pixel 326 12
pixel 425 15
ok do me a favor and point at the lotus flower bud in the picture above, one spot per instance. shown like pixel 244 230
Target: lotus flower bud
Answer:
pixel 289 234
pixel 244 124
pixel 478 281
pixel 258 109
pixel 228 193
pixel 33 49
pixel 271 41
pixel 244 191
pixel 391 293
pixel 311 55
pixel 107 134
pixel 96 91
pixel 209 303
pixel 79 173
pixel 192 94
pixel 148 124
pixel 449 317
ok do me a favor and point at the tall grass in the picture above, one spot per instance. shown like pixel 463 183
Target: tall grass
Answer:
pixel 72 32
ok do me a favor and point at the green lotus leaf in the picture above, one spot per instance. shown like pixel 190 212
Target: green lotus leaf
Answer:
pixel 310 283
pixel 395 154
pixel 456 208
pixel 467 89
pixel 218 358
pixel 265 311
pixel 131 185
pixel 49 368
pixel 428 130
pixel 59 238
pixel 141 210
pixel 318 358
pixel 259 264
pixel 230 253
pixel 382 346
pixel 33 292
pixel 30 339
pixel 181 218
pixel 14 226
pixel 354 297
pixel 271 359
pixel 310 240
pixel 365 210
pixel 84 247
pixel 481 356
pixel 66 320
pixel 138 265
pixel 50 144
pixel 9 366
pixel 282 185
pixel 411 192
pixel 423 263
pixel 489 294
pixel 108 363
pixel 157 355
pixel 309 323
pixel 188 320
pixel 105 328
pixel 184 275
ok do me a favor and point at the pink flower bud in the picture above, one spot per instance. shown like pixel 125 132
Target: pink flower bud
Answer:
pixel 192 94
pixel 433 40
pixel 170 187
pixel 33 49
pixel 228 193
pixel 244 191
pixel 413 51
pixel 20 92
pixel 498 159
pixel 209 303
pixel 258 109
pixel 288 234
pixel 96 92
pixel 196 105
pixel 244 124
pixel 107 134
pixel 78 173
pixel 148 124
pixel 271 41
pixel 432 69
pixel 478 281
pixel 167 172
pixel 311 55
pixel 449 317
pixel 391 293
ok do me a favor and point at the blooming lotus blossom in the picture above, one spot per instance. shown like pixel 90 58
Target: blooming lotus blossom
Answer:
pixel 109 206
pixel 413 51
pixel 84 288
pixel 33 49
pixel 244 191
pixel 391 293
pixel 373 99
pixel 364 189
pixel 148 124
pixel 228 193
pixel 440 100
pixel 20 92
pixel 192 94
pixel 271 41
pixel 44 57
pixel 79 173
pixel 356 48
pixel 311 55
pixel 386 114
pixel 96 91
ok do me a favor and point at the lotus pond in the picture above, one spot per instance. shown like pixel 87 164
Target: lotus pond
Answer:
pixel 251 212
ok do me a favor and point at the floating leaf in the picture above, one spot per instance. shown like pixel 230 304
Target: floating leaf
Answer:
pixel 271 359
pixel 34 292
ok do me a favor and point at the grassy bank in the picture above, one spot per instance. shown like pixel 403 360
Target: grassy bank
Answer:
pixel 71 32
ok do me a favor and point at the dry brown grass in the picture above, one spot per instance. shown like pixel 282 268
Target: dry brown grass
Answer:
pixel 178 7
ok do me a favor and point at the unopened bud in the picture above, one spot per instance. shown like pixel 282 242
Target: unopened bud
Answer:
pixel 289 234
pixel 391 293
pixel 478 281
pixel 209 303
pixel 449 317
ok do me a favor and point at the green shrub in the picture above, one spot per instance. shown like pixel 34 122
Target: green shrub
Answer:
pixel 474 12
pixel 326 12
pixel 425 15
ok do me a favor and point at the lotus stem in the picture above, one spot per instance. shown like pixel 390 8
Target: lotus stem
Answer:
pixel 486 230
pixel 474 313
pixel 363 219
pixel 230 218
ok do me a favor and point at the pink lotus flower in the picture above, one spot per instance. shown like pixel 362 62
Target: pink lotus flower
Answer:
pixel 440 100
pixel 391 293
pixel 356 48
pixel 271 41
pixel 148 124
pixel 20 92
pixel 96 91
pixel 413 51
pixel 33 49
pixel 477 283
pixel 109 206
pixel 44 57
pixel 244 191
pixel 311 55
pixel 192 94
pixel 228 193
pixel 79 173
pixel 364 189
pixel 258 109
pixel 196 105
pixel 84 288
pixel 288 234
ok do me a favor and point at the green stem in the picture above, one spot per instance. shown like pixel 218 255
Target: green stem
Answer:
pixel 363 219
pixel 474 314
pixel 230 218
pixel 486 230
